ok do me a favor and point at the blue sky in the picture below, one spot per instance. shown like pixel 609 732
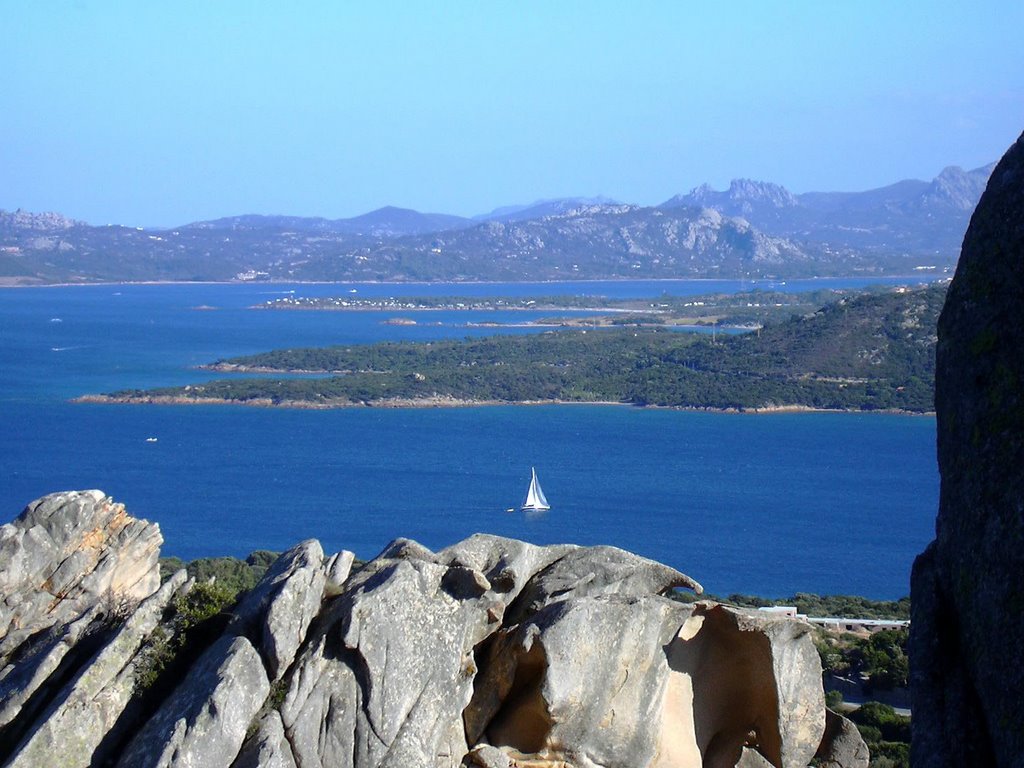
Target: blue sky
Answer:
pixel 164 113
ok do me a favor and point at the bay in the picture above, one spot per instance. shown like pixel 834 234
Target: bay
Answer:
pixel 765 504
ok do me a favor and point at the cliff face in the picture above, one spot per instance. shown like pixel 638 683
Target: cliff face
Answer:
pixel 967 632
pixel 490 653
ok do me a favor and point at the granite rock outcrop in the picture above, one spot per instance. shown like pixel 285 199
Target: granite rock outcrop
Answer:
pixel 68 552
pixel 491 652
pixel 967 630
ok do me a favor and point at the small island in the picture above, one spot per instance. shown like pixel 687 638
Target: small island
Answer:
pixel 746 309
pixel 871 353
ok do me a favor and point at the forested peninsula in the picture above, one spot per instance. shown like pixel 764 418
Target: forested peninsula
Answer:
pixel 875 352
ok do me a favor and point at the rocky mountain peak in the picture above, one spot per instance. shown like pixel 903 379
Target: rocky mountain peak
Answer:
pixel 39 222
pixel 597 209
pixel 741 198
pixel 762 192
pixel 958 188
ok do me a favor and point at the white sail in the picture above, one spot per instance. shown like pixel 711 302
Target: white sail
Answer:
pixel 535 499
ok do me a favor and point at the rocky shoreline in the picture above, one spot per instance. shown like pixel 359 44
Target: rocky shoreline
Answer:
pixel 449 402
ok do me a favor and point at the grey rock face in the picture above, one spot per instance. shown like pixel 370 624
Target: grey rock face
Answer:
pixel 269 748
pixel 967 631
pixel 597 571
pixel 506 564
pixel 203 723
pixel 83 714
pixel 751 758
pixel 68 552
pixel 645 681
pixel 842 745
pixel 280 608
pixel 18 682
pixel 386 681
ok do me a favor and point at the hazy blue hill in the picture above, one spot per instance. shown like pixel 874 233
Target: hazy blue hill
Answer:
pixel 254 221
pixel 388 221
pixel 602 240
pixel 542 208
pixel 894 195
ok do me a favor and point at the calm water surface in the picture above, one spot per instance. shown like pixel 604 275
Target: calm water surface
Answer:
pixel 768 504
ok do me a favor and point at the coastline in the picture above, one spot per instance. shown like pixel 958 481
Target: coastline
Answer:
pixel 15 281
pixel 452 402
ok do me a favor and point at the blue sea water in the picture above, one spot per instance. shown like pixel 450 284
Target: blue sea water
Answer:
pixel 765 504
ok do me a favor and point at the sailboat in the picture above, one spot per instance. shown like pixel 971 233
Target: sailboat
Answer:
pixel 535 500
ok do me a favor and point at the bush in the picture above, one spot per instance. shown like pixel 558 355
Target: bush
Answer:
pixel 192 620
pixel 892 727
pixel 230 572
pixel 884 659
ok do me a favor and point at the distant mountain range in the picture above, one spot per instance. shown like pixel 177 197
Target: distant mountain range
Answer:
pixel 754 229
pixel 912 216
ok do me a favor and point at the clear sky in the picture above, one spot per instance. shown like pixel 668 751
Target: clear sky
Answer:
pixel 160 113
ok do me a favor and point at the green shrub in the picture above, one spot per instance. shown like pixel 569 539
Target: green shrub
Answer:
pixel 892 727
pixel 884 658
pixel 870 734
pixel 191 621
pixel 237 575
pixel 833 699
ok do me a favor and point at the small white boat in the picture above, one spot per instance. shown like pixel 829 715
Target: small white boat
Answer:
pixel 535 499
pixel 151 439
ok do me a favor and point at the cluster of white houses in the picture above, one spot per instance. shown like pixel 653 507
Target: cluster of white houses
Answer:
pixel 838 623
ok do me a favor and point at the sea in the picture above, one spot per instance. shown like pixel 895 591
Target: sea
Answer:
pixel 765 504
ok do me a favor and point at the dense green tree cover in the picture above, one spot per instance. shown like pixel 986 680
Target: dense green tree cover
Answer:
pixel 229 573
pixel 880 659
pixel 870 353
pixel 886 733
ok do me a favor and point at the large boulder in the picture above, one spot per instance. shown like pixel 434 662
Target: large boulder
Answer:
pixel 597 571
pixel 66 553
pixel 842 745
pixel 617 680
pixel 967 629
